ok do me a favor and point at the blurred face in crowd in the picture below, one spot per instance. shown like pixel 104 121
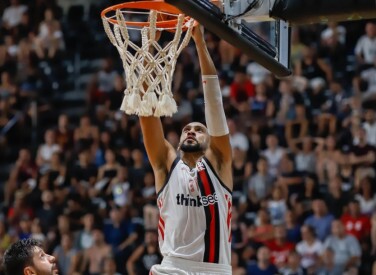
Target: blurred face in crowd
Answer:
pixel 88 221
pixel 366 189
pixel 330 143
pixel 149 179
pixel 307 233
pixel 319 208
pixel 48 15
pixel 63 224
pixel 85 121
pixel 371 30
pixel 369 115
pixel 24 155
pixel 280 232
pixel 263 216
pixel 285 87
pixel 63 121
pixel 115 215
pixel 49 137
pixel 338 229
pixel 307 144
pixel 110 156
pixel 263 255
pixel 277 193
pixel 354 208
pixel 66 241
pixel 194 138
pixel 262 166
pixel 151 237
pixel 98 237
pixel 271 141
pixel 362 135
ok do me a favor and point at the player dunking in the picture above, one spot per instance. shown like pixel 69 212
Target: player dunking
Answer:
pixel 194 186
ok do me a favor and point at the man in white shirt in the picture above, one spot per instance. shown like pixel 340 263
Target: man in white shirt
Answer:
pixel 12 15
pixel 370 126
pixel 273 154
pixel 365 49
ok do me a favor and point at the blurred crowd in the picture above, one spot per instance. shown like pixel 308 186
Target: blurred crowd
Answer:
pixel 304 154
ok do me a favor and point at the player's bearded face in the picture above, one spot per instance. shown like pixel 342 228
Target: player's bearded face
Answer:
pixel 191 148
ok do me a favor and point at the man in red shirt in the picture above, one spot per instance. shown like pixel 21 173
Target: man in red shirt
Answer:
pixel 241 90
pixel 355 223
pixel 280 248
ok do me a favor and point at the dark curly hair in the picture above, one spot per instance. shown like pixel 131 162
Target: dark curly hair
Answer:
pixel 18 256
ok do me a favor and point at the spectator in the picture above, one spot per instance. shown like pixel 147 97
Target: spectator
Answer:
pixel 310 249
pixel 237 138
pixel 328 157
pixel 47 213
pixel 86 134
pixel 280 248
pixel 64 133
pixel 46 150
pixel 12 14
pixel 321 220
pixel 305 157
pixel 241 90
pixel 261 183
pixel 50 37
pixel 145 256
pixel 292 227
pixel 370 126
pixel 345 247
pixel 262 231
pixel 365 46
pixel 94 256
pixel 241 171
pixel 293 265
pixel 366 196
pixel 110 266
pixel 336 199
pixel 277 206
pixel 273 154
pixel 355 223
pixel 235 265
pixel 263 265
pixel 84 237
pixel 66 255
pixel 239 238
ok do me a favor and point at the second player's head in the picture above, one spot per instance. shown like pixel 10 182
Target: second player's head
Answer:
pixel 194 138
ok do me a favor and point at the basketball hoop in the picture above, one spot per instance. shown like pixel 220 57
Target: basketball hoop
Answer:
pixel 149 67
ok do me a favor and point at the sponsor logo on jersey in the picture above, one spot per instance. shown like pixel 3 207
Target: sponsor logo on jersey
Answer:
pixel 196 201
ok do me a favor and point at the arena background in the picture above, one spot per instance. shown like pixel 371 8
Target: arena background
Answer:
pixel 74 173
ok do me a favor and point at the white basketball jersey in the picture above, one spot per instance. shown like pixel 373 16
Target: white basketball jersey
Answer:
pixel 195 214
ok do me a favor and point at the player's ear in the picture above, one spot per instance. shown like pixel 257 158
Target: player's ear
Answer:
pixel 29 270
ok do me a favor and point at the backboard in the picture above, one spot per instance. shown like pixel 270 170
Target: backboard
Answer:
pixel 247 25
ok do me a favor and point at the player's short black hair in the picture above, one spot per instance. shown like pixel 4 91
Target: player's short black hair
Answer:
pixel 18 256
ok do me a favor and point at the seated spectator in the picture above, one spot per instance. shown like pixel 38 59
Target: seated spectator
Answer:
pixel 12 14
pixel 239 238
pixel 261 107
pixel 336 199
pixel 310 249
pixel 49 39
pixel 64 134
pixel 321 220
pixel 276 206
pixel 362 157
pixel 57 171
pixel 237 269
pixel 84 237
pixel 262 231
pixel 24 227
pixel 292 227
pixel 279 247
pixel 346 248
pixel 328 265
pixel 145 256
pixel 355 223
pixel 237 138
pixel 366 196
pixel 84 173
pixel 328 158
pixel 364 83
pixel 261 183
pixel 46 150
pixel 138 169
pixel 241 90
pixel 293 265
pixel 339 30
pixel 365 46
pixel 241 171
pixel 23 170
pixel 109 266
pixel 47 213
pixel 311 67
pixel 19 209
pixel 66 255
pixel 337 103
pixel 305 157
pixel 120 189
pixel 6 239
pixel 86 134
pixel 290 180
pixel 147 201
pixel 263 266
pixel 106 173
pixel 273 154
pixel 94 256
pixel 370 126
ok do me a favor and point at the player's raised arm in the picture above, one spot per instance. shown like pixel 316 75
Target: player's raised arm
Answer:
pixel 220 153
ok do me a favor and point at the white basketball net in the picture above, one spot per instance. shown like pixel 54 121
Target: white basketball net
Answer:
pixel 148 76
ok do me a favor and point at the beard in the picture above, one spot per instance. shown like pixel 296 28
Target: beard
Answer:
pixel 191 148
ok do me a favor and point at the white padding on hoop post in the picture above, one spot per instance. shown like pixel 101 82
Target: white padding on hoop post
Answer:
pixel 149 72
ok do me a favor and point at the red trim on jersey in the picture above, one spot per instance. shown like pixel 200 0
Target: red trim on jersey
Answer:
pixel 213 255
pixel 229 216
pixel 161 227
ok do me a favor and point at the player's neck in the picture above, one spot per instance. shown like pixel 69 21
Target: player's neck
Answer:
pixel 191 158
